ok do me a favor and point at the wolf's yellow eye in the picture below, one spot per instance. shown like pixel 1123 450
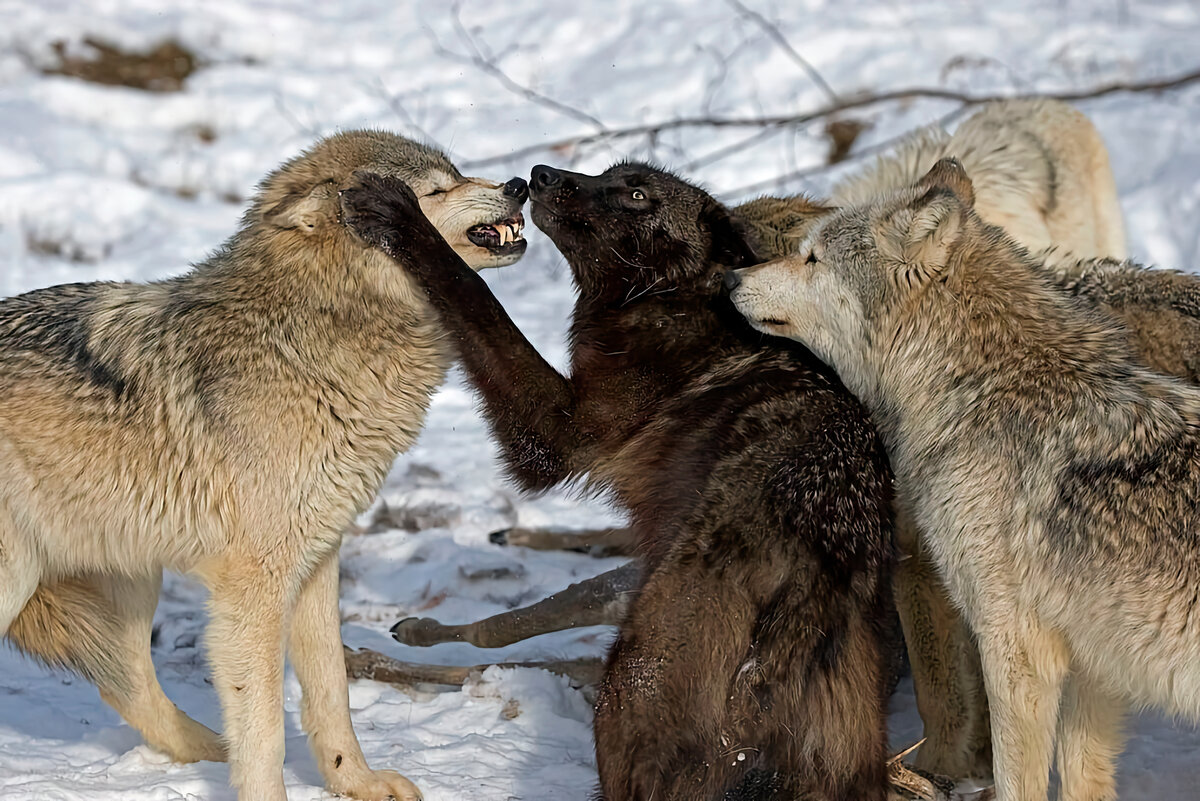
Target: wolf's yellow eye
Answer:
pixel 639 194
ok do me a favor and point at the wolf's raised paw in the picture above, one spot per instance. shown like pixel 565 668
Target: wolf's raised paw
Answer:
pixel 384 213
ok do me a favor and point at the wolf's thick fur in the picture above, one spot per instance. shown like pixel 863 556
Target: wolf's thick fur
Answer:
pixel 1040 171
pixel 1159 309
pixel 229 423
pixel 750 665
pixel 1057 480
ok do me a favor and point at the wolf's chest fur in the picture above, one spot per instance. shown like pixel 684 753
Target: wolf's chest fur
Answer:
pixel 378 406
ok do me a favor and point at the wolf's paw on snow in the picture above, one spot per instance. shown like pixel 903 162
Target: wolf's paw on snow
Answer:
pixel 380 785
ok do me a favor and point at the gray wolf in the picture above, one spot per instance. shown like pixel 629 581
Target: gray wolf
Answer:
pixel 1041 172
pixel 227 423
pixel 1055 478
pixel 750 665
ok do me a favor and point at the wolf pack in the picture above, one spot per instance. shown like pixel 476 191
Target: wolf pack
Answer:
pixel 937 411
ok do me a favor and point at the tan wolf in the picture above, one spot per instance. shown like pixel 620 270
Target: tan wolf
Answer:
pixel 228 423
pixel 1056 479
pixel 1040 169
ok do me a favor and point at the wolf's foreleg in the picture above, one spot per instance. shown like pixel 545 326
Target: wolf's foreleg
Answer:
pixel 1024 666
pixel 1089 741
pixel 248 606
pixel 317 656
pixel 599 601
pixel 19 569
pixel 529 405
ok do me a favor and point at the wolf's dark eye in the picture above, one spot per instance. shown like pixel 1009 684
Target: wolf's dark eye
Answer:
pixel 639 194
pixel 812 257
pixel 437 192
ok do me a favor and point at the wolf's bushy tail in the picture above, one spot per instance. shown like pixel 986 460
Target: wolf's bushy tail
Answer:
pixel 67 624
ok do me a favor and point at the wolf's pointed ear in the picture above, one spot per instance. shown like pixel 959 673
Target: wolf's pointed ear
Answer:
pixel 937 219
pixel 949 175
pixel 730 240
pixel 304 211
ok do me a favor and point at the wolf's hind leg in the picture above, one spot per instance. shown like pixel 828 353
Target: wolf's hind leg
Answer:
pixel 663 705
pixel 137 695
pixel 947 677
pixel 317 655
pixel 1024 666
pixel 99 627
pixel 1089 742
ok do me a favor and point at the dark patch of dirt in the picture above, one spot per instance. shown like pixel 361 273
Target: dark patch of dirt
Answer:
pixel 43 244
pixel 842 136
pixel 161 69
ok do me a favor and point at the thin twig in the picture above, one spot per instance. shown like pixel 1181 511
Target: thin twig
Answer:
pixel 772 31
pixel 393 102
pixel 487 63
pixel 816 169
pixel 725 152
pixel 862 101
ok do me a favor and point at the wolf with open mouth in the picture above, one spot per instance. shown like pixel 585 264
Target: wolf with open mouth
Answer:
pixel 259 399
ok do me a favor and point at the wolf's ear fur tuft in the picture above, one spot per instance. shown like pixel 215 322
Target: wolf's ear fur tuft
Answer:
pixel 730 239
pixel 936 223
pixel 304 211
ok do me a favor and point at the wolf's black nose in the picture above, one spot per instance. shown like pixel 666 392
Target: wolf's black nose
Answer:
pixel 543 177
pixel 732 279
pixel 518 189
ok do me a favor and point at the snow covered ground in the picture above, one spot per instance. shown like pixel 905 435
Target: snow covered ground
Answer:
pixel 101 182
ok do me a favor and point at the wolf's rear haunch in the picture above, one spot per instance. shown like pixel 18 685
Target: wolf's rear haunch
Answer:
pixel 228 423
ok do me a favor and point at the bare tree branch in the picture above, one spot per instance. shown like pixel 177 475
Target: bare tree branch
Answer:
pixel 816 169
pixel 722 153
pixel 773 31
pixel 654 129
pixel 377 88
